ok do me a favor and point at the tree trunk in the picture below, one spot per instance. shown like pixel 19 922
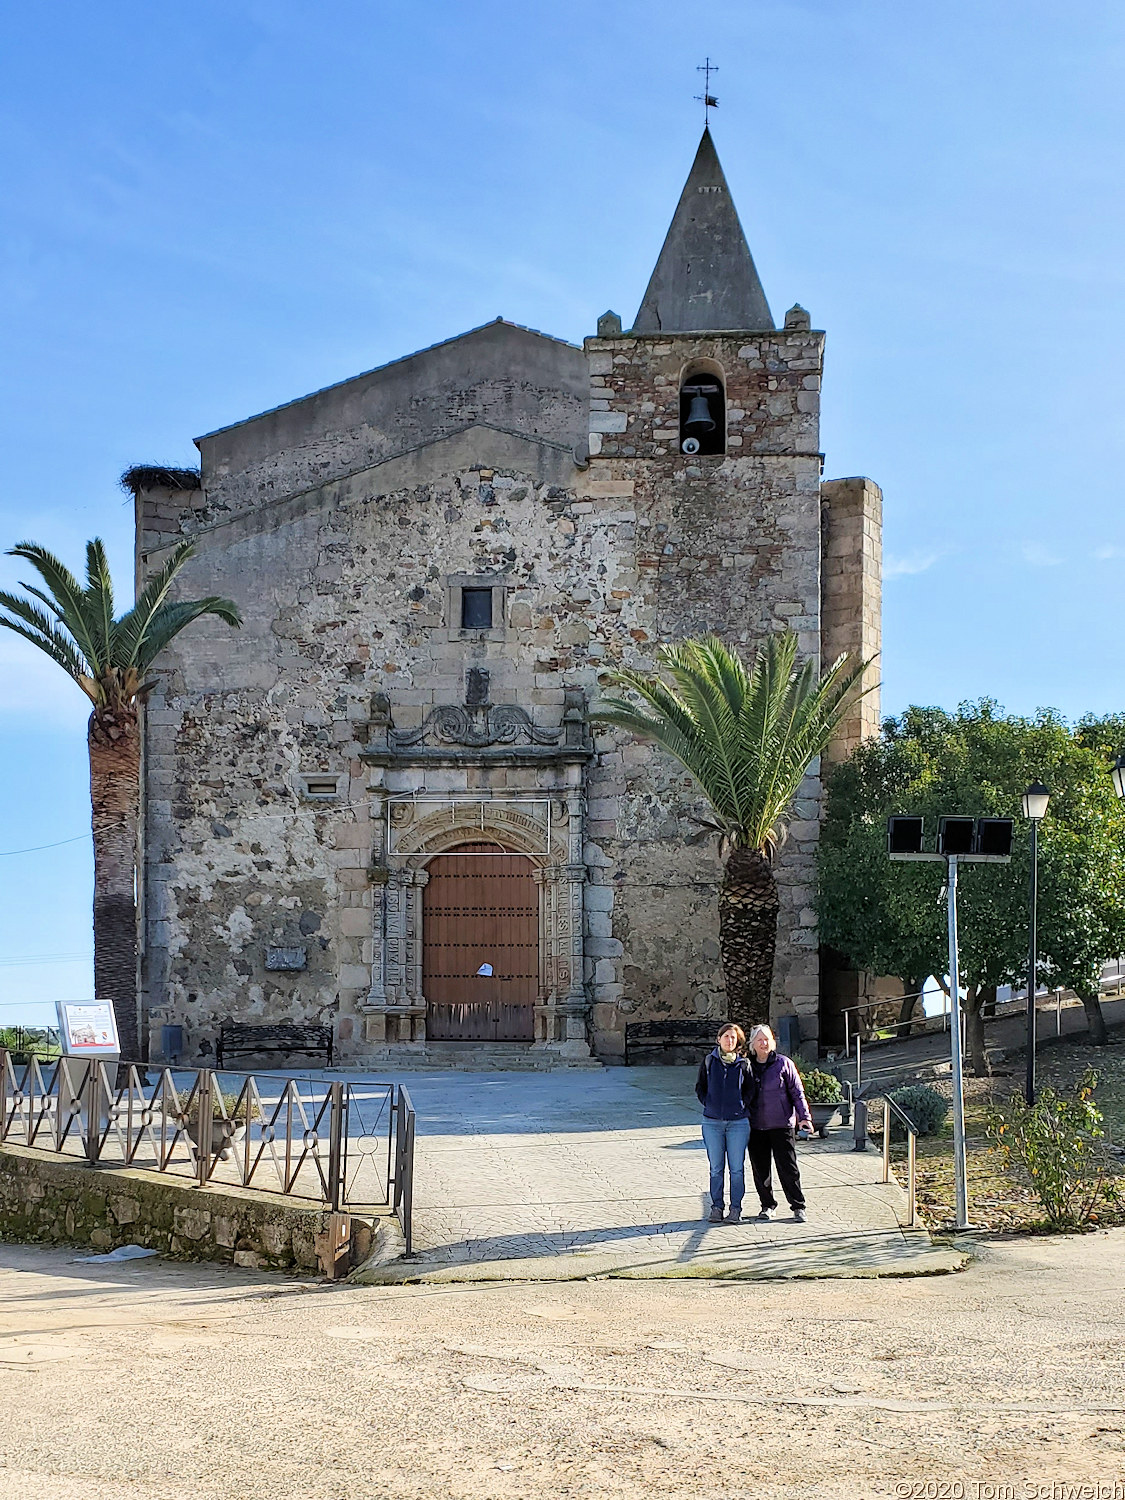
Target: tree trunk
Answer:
pixel 748 908
pixel 912 1003
pixel 115 762
pixel 1095 1018
pixel 975 1002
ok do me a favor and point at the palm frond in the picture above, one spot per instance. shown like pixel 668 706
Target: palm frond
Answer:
pixel 70 597
pixel 36 626
pixel 170 619
pixel 99 595
pixel 747 736
pixel 134 625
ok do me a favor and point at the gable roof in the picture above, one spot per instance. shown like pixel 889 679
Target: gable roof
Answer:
pixel 392 364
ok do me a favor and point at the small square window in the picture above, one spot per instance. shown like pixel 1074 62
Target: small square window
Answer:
pixel 476 609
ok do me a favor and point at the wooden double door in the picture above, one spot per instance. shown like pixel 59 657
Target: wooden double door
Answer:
pixel 480 946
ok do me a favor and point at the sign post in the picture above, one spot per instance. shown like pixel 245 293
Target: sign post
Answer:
pixel 88 1039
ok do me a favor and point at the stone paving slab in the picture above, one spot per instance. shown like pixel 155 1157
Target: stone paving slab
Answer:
pixel 560 1176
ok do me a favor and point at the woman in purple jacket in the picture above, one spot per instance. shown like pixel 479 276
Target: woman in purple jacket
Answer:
pixel 778 1098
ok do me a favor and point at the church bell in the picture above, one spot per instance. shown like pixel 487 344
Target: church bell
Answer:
pixel 699 418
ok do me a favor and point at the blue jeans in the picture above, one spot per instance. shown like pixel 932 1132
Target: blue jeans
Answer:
pixel 727 1140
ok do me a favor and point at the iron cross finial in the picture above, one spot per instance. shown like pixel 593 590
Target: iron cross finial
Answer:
pixel 707 98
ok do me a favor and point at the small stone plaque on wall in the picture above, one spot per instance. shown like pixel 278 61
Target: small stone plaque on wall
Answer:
pixel 286 958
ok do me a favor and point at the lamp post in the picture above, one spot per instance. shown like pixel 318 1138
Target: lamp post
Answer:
pixel 1034 802
pixel 1118 774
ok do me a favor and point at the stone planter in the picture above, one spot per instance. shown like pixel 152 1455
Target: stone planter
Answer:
pixel 225 1135
pixel 823 1116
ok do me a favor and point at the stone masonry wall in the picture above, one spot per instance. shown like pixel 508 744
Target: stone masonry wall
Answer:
pixel 728 545
pixel 345 588
pixel 62 1201
pixel 852 574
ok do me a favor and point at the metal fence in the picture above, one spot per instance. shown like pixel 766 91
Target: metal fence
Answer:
pixel 349 1146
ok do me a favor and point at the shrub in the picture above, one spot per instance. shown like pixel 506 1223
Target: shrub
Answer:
pixel 1058 1146
pixel 926 1108
pixel 821 1088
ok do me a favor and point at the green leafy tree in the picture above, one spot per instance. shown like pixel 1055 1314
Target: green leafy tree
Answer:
pixel 890 917
pixel 748 736
pixel 109 659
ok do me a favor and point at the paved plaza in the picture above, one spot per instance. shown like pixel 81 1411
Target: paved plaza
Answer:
pixel 565 1175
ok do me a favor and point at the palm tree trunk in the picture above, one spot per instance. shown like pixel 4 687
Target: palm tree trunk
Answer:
pixel 748 908
pixel 115 763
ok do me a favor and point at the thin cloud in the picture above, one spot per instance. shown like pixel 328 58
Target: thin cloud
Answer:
pixel 897 565
pixel 1108 554
pixel 1038 556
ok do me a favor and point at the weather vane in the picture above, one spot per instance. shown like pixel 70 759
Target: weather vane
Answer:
pixel 707 98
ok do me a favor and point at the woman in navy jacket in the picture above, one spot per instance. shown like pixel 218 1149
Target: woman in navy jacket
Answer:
pixel 722 1088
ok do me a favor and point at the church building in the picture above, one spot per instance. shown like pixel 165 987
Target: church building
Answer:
pixel 381 805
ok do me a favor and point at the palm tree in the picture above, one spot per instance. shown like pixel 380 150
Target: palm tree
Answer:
pixel 109 660
pixel 748 737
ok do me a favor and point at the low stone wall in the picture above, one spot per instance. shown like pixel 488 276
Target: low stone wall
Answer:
pixel 60 1200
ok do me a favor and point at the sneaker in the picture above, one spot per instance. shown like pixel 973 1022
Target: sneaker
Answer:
pixel 735 1216
pixel 767 1213
pixel 800 1216
pixel 716 1214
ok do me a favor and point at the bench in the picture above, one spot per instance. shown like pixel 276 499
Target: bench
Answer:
pixel 667 1041
pixel 285 1036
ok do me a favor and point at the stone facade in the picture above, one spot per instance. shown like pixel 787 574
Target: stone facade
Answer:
pixel 301 776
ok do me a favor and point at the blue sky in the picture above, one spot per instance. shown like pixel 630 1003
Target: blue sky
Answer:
pixel 213 208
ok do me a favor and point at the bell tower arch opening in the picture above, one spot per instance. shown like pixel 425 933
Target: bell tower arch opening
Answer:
pixel 703 409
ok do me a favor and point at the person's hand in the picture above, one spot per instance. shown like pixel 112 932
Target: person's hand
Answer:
pixel 805 1128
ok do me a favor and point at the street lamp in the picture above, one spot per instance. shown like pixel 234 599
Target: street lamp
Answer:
pixel 1118 774
pixel 1034 802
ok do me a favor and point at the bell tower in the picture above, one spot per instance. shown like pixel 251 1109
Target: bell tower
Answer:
pixel 704 420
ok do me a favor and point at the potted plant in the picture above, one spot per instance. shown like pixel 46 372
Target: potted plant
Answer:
pixel 228 1124
pixel 825 1096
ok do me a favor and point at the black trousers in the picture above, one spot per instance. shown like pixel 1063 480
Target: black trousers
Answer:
pixel 778 1145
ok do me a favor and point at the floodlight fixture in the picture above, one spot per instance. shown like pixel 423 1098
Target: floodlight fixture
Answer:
pixel 904 835
pixel 994 837
pixel 956 835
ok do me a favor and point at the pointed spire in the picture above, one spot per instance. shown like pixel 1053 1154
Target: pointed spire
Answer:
pixel 705 280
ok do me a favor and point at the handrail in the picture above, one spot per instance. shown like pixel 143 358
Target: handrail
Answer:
pixel 860 1129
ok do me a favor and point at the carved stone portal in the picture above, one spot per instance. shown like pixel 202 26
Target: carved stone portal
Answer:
pixel 396 1004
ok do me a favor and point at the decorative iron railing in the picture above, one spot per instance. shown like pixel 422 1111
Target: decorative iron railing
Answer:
pixel 347 1145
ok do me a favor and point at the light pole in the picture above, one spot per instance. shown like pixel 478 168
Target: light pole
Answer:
pixel 1118 774
pixel 1034 803
pixel 960 841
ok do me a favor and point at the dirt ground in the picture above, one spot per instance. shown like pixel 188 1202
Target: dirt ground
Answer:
pixel 153 1379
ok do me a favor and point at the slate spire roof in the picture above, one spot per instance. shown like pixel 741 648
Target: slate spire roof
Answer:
pixel 705 280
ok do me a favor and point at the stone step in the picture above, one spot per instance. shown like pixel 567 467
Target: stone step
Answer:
pixel 474 1057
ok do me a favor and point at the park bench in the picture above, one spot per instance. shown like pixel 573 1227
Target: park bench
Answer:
pixel 284 1036
pixel 678 1041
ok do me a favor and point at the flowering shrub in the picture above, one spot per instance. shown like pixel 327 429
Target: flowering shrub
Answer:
pixel 1059 1146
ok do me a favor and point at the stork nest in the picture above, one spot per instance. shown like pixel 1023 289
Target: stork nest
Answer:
pixel 157 477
